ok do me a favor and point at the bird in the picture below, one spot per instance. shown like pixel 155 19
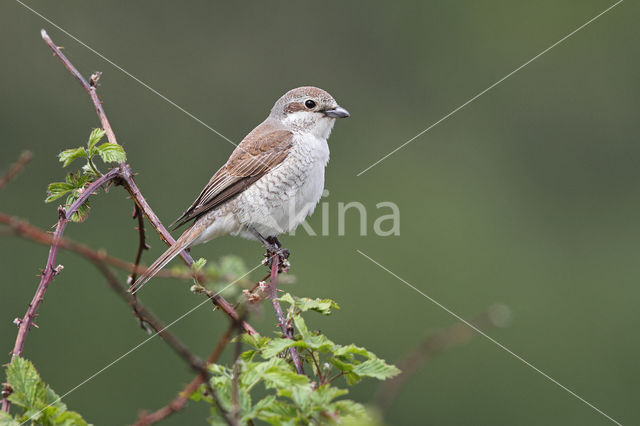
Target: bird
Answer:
pixel 271 182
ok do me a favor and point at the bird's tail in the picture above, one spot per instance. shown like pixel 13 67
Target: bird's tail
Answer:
pixel 182 243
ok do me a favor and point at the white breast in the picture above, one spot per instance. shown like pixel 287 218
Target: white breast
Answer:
pixel 284 197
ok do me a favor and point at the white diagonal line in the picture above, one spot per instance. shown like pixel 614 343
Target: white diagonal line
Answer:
pixel 490 87
pixel 94 375
pixel 492 340
pixel 145 85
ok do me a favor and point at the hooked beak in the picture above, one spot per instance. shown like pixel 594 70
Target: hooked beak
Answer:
pixel 337 112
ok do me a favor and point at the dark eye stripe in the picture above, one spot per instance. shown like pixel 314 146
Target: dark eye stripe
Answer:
pixel 294 106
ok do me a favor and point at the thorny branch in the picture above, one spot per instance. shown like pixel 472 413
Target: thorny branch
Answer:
pixel 50 271
pixel 121 175
pixel 21 228
pixel 148 318
pixel 285 326
pixel 142 245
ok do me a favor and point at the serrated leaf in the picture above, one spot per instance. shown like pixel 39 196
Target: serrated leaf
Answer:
pixel 67 156
pixel 351 412
pixel 94 138
pixel 81 214
pixel 323 395
pixel 353 349
pixel 341 365
pixel 70 418
pixel 314 341
pixel 88 170
pixel 56 190
pixel 28 389
pixel 352 378
pixel 7 420
pixel 111 153
pixel 304 304
pixel 279 378
pixel 254 340
pixel 199 264
pixel 275 346
pixel 376 368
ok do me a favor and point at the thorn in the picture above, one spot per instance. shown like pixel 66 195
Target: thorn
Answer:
pixel 6 390
pixel 93 81
pixel 17 321
pixel 35 325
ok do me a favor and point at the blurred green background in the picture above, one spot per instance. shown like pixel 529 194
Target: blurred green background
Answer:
pixel 529 196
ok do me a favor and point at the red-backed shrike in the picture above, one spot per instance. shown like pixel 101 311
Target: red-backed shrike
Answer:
pixel 272 181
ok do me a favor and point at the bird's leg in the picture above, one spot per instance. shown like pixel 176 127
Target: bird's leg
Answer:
pixel 274 247
pixel 282 252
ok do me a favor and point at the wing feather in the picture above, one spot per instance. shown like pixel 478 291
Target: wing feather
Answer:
pixel 262 150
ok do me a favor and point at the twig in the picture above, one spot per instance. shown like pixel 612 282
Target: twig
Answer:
pixel 286 328
pixel 158 326
pixel 142 245
pixel 125 175
pixel 433 345
pixel 89 87
pixel 21 228
pixel 179 402
pixel 50 270
pixel 148 318
pixel 16 167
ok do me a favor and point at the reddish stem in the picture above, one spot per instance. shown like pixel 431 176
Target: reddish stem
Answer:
pixel 286 328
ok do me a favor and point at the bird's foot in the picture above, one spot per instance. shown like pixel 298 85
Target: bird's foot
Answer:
pixel 274 247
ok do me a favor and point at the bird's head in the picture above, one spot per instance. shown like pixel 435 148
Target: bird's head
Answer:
pixel 308 110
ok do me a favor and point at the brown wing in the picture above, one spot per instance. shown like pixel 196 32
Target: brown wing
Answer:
pixel 258 153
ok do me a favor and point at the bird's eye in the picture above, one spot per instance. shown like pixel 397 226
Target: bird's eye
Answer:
pixel 309 104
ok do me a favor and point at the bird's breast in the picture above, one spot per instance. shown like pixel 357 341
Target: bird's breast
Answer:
pixel 279 201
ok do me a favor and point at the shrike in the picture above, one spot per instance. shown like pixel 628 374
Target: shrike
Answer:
pixel 270 184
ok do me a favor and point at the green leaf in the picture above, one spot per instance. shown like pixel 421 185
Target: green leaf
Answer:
pixel 376 368
pixel 304 304
pixel 81 214
pixel 199 264
pixel 94 138
pixel 67 156
pixel 254 340
pixel 41 404
pixel 323 395
pixel 70 418
pixel 112 153
pixel 275 346
pixel 56 190
pixel 352 413
pixel 7 420
pixel 312 340
pixel 353 349
pixel 28 389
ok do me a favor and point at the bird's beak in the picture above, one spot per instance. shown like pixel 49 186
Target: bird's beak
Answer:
pixel 337 112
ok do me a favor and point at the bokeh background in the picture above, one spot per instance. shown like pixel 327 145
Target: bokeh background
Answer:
pixel 529 196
